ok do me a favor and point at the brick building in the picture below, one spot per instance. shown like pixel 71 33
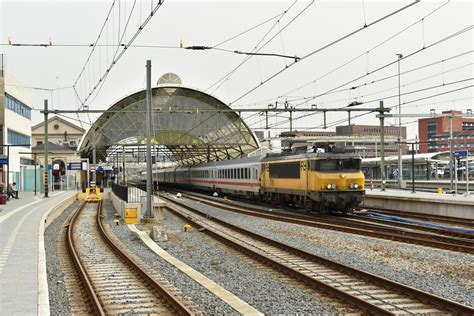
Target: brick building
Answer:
pixel 434 133
pixel 364 138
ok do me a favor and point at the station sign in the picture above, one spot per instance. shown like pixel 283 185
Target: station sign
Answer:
pixel 3 160
pixel 74 166
pixel 56 166
pixel 461 153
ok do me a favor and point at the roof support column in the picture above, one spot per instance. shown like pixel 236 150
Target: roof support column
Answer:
pixel 149 184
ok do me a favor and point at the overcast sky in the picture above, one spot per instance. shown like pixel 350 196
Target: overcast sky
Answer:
pixel 209 23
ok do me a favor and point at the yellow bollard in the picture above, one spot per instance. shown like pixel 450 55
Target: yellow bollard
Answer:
pixel 440 190
pixel 186 227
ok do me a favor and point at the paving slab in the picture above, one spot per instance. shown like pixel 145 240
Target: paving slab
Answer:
pixel 19 224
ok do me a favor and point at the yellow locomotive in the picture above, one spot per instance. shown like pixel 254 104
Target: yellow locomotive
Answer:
pixel 320 182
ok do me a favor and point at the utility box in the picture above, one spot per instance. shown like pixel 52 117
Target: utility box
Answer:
pixel 131 215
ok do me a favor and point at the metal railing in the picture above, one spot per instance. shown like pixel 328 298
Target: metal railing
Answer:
pixel 120 191
pixel 128 194
pixel 135 194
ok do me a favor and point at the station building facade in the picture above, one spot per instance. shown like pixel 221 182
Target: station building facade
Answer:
pixel 63 139
pixel 15 132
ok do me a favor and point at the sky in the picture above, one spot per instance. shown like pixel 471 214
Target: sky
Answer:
pixel 332 75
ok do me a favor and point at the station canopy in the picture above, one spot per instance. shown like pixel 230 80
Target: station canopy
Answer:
pixel 181 130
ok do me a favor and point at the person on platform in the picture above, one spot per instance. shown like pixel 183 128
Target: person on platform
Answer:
pixel 15 190
pixel 10 193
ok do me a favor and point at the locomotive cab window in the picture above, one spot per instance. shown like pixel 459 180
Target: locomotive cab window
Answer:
pixel 331 165
pixel 287 170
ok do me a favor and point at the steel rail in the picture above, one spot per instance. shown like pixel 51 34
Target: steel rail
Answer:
pixel 438 218
pixel 180 308
pixel 93 299
pixel 441 231
pixel 395 286
pixel 372 230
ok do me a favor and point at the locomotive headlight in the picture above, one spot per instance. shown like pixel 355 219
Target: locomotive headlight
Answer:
pixel 333 186
pixel 353 185
pixel 329 186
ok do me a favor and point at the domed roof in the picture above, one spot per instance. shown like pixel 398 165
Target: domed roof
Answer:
pixel 189 126
pixel 169 79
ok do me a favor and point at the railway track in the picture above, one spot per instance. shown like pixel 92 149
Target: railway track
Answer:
pixel 468 223
pixel 365 291
pixel 113 281
pixel 434 230
pixel 413 235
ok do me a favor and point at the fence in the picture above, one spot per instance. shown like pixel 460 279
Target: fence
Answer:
pixel 135 194
pixel 128 194
pixel 120 191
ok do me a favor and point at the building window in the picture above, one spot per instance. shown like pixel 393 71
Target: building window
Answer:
pixel 17 106
pixel 15 138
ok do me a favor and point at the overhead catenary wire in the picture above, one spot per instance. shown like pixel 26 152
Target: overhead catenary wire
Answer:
pixel 357 57
pixel 95 43
pixel 462 31
pixel 257 48
pixel 360 97
pixel 323 48
pixel 97 86
pixel 390 107
pixel 252 28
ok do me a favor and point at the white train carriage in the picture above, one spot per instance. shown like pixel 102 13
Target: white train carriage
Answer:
pixel 181 176
pixel 239 176
pixel 165 175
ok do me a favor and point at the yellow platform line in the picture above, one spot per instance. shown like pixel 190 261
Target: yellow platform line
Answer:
pixel 235 302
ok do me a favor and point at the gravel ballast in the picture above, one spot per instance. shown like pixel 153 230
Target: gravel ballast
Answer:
pixel 258 287
pixel 190 288
pixel 444 273
pixel 58 300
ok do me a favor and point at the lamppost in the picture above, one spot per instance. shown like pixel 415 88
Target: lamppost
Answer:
pixel 400 165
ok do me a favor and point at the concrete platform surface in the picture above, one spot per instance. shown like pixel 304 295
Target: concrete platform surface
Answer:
pixel 458 206
pixel 406 194
pixel 19 251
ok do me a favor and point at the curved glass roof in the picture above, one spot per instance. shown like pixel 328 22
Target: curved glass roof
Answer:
pixel 187 137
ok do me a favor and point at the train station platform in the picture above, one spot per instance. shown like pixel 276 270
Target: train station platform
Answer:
pixel 459 206
pixel 23 285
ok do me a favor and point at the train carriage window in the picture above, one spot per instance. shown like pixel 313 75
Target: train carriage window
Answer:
pixel 287 170
pixel 241 173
